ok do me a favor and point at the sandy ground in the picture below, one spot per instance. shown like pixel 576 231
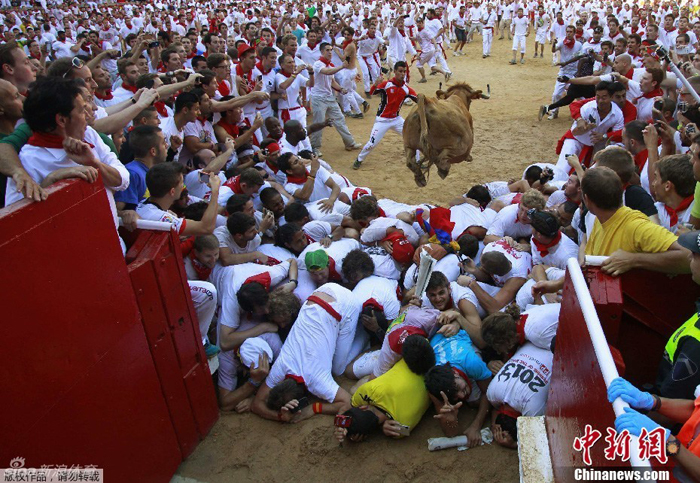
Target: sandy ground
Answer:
pixel 508 137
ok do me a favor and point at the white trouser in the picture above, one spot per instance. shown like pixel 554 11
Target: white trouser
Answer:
pixel 425 57
pixel 519 40
pixel 349 344
pixel 559 92
pixel 487 39
pixel 293 114
pixel 440 57
pixel 381 126
pixel 370 69
pixel 541 37
pixel 349 101
pixel 335 217
pixel 204 300
pixel 570 146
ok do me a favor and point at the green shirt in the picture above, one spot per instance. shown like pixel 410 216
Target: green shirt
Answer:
pixel 22 133
pixel 695 210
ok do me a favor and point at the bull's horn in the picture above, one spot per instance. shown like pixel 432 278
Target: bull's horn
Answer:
pixel 488 90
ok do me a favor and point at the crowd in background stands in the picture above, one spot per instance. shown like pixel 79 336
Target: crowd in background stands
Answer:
pixel 210 117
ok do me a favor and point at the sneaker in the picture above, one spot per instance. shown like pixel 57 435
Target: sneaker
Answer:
pixel 512 62
pixel 211 350
pixel 483 56
pixel 552 116
pixel 408 102
pixel 448 76
pixel 318 153
pixel 368 95
pixel 432 72
pixel 358 115
pixel 534 56
pixel 356 164
pixel 423 80
pixel 365 106
pixel 522 61
pixel 542 56
pixel 354 147
pixel 543 111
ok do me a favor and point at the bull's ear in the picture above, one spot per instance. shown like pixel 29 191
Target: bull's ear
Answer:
pixel 440 94
pixel 476 95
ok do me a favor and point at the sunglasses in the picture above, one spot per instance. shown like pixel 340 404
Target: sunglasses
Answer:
pixel 76 63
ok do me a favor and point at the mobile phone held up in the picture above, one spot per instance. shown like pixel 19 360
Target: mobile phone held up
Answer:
pixel 342 421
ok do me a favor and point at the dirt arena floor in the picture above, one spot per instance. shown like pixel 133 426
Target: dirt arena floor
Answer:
pixel 508 137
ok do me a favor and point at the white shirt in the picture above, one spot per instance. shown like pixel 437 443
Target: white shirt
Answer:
pixel 459 293
pixel 558 254
pixel 322 82
pixel 521 262
pixel 337 251
pixel 169 129
pixel 466 215
pixel 292 91
pixel 533 365
pixel 614 121
pixel 376 231
pixel 506 223
pixel 539 323
pixel 62 49
pixel 226 241
pixel 320 191
pixel 665 218
pixel 519 25
pixel 311 344
pixel 152 212
pixel 383 291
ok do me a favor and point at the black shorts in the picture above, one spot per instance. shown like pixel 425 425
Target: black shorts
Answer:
pixel 461 34
pixel 499 18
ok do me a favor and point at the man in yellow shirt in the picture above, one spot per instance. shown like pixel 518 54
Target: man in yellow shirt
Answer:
pixel 627 237
pixel 394 401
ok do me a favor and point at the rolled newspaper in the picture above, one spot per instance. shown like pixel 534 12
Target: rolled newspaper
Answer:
pixel 459 442
pixel 425 269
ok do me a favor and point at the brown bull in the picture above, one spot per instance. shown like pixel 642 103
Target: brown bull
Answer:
pixel 441 129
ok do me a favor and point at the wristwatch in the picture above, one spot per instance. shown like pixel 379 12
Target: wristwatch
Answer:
pixel 673 446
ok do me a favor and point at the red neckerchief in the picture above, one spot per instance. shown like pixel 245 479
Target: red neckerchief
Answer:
pixel 202 270
pixel 298 179
pixel 346 43
pixel 326 62
pixel 640 159
pixel 682 31
pixel 594 41
pixel 560 21
pixel 325 306
pixel 673 213
pixel 234 184
pixel 247 76
pixel 46 140
pixel 302 25
pixel 191 55
pixel 260 67
pixel 371 36
pixel 160 107
pixel 543 248
pixel 298 379
pixel 223 88
pixel 231 129
pixel 129 88
pixel 650 95
pixel 311 46
pixel 285 74
pixel 578 35
pixel 630 73
pixel 520 325
pixel 107 96
pixel 382 214
pixel 202 120
pixel 569 43
pixel 273 168
pixel 402 32
pixel 333 275
pixel 672 29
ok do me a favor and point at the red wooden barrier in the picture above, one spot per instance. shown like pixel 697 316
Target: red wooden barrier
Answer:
pixel 638 313
pixel 160 283
pixel 79 385
pixel 101 364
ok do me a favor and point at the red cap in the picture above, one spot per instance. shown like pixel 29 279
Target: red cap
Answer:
pixel 243 48
pixel 273 148
pixel 403 250
pixel 398 336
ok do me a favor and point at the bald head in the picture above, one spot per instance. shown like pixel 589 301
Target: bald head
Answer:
pixel 623 60
pixel 10 104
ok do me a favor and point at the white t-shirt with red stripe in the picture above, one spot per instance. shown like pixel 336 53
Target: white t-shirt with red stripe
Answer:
pixel 311 344
pixel 376 231
pixel 523 381
pixel 538 325
pixel 381 290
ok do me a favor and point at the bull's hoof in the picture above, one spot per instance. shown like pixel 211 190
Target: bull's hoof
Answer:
pixel 470 159
pixel 443 173
pixel 420 180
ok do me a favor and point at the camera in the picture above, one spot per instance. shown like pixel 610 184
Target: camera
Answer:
pixel 303 402
pixel 203 177
pixel 154 44
pixel 658 105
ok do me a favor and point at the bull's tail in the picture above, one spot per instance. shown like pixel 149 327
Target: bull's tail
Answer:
pixel 423 120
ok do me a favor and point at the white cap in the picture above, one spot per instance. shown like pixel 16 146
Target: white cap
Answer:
pixel 251 350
